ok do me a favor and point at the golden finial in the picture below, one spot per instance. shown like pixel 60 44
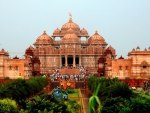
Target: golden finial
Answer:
pixel 44 31
pixel 70 16
pixel 96 31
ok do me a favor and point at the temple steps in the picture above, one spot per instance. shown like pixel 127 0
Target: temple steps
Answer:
pixel 69 71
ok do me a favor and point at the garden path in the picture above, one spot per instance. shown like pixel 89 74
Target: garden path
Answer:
pixel 85 99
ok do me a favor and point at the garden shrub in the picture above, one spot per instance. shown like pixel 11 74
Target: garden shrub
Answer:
pixel 21 88
pixel 138 105
pixel 119 89
pixel 8 106
pixel 45 102
pixel 92 83
pixel 114 105
pixel 117 97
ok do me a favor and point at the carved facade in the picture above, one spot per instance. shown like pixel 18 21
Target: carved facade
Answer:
pixel 140 62
pixel 136 66
pixel 70 50
pixel 15 67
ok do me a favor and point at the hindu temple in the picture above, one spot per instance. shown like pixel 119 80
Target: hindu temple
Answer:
pixel 70 51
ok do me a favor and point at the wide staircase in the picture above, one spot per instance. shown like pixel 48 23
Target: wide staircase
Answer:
pixel 69 71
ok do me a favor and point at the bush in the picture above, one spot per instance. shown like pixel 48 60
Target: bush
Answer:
pixel 21 88
pixel 119 89
pixel 114 105
pixel 45 102
pixel 8 106
pixel 138 105
pixel 92 83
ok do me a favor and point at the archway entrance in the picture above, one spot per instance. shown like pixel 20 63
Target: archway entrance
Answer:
pixel 70 60
pixel 63 60
pixel 77 61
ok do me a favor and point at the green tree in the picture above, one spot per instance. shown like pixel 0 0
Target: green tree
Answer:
pixel 114 105
pixel 138 105
pixel 119 89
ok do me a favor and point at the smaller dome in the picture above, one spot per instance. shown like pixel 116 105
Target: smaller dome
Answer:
pixel 44 39
pixel 97 39
pixel 84 31
pixel 56 31
pixel 70 38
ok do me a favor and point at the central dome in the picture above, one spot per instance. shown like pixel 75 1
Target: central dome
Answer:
pixel 71 25
pixel 70 38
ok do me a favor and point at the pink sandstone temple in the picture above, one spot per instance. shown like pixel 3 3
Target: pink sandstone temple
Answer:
pixel 71 52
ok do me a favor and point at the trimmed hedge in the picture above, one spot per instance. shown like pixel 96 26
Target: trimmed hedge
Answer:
pixel 21 88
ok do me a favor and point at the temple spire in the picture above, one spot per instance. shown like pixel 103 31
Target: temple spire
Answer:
pixel 44 32
pixel 70 16
pixel 96 31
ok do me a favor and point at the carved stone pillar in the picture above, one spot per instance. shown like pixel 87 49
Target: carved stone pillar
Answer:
pixel 60 61
pixel 66 60
pixel 79 60
pixel 74 61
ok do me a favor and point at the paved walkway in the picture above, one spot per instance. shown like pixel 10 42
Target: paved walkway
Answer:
pixel 85 99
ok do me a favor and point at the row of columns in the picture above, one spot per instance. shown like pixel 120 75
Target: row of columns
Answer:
pixel 66 60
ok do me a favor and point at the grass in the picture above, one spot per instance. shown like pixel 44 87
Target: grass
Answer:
pixel 73 95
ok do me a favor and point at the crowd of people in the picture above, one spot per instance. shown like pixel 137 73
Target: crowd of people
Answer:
pixel 57 76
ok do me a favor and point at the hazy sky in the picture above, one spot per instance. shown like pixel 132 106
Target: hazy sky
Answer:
pixel 125 24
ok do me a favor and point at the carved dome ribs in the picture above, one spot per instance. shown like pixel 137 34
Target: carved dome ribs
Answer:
pixel 84 33
pixel 70 38
pixel 56 31
pixel 97 39
pixel 71 25
pixel 44 39
pixel 68 28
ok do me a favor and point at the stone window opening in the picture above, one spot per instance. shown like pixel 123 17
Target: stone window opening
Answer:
pixel 10 67
pixel 127 67
pixel 16 68
pixel 120 67
pixel 144 67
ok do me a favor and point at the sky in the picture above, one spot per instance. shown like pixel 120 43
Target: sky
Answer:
pixel 124 24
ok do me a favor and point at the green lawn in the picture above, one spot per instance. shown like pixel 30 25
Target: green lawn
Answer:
pixel 73 95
